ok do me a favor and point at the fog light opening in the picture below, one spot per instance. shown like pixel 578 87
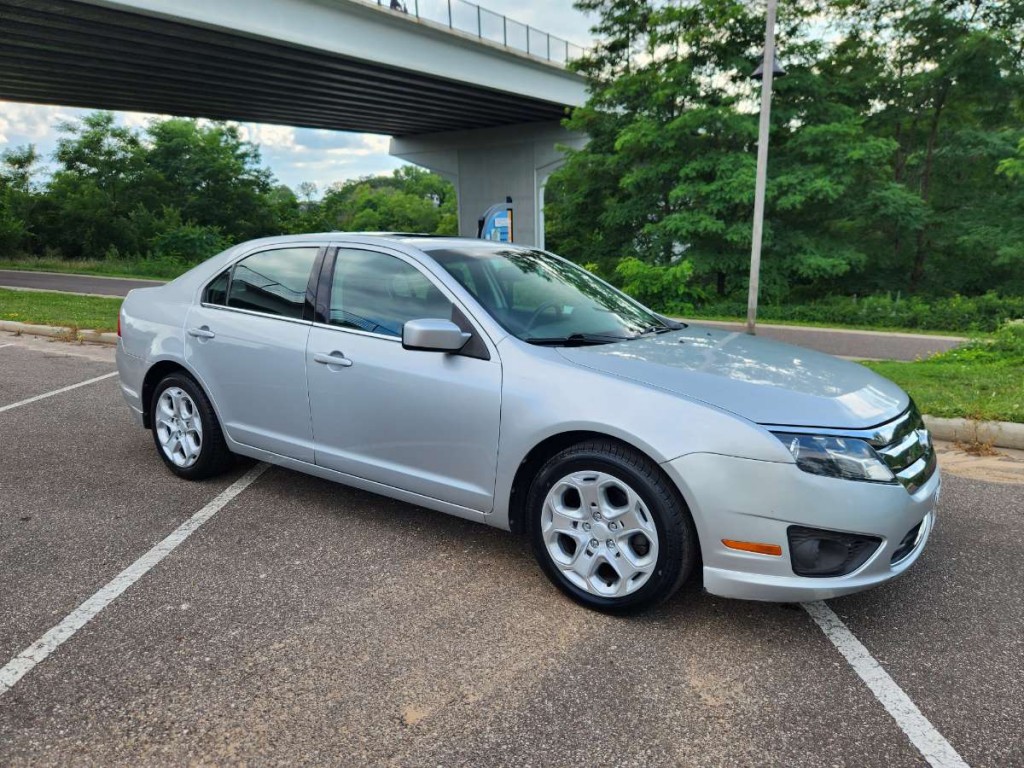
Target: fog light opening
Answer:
pixel 820 553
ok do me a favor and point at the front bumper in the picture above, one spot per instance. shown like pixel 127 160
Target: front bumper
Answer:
pixel 747 500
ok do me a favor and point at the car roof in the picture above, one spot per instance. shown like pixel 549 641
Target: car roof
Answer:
pixel 423 242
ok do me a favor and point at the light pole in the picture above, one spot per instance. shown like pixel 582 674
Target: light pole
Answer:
pixel 767 72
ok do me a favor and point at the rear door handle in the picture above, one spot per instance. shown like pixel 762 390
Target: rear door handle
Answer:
pixel 335 358
pixel 201 333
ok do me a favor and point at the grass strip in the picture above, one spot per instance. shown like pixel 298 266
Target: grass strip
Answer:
pixel 62 309
pixel 982 380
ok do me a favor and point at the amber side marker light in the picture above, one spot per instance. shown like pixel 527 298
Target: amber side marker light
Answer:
pixel 750 546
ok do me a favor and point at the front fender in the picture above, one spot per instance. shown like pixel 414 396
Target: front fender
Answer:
pixel 544 396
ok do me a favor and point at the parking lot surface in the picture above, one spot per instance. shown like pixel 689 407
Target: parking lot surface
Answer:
pixel 309 623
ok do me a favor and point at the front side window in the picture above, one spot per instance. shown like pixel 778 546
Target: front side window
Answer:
pixel 273 282
pixel 377 293
pixel 543 299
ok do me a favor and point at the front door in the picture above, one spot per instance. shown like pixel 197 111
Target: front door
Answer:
pixel 424 422
pixel 247 341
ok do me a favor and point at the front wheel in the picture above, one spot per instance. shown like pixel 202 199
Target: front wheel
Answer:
pixel 187 434
pixel 609 529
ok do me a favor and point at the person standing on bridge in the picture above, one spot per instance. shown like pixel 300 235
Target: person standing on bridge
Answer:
pixel 396 5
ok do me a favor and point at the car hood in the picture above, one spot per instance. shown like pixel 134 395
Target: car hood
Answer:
pixel 765 381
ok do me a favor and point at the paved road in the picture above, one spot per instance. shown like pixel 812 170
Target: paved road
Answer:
pixel 861 345
pixel 307 623
pixel 54 281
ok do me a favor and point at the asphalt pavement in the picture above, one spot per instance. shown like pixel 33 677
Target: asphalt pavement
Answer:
pixel 55 281
pixel 309 623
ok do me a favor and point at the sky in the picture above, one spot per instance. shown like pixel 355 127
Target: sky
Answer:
pixel 296 155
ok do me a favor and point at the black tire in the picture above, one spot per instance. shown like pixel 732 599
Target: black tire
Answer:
pixel 214 456
pixel 678 546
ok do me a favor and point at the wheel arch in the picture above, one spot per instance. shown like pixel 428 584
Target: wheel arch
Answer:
pixel 156 372
pixel 550 446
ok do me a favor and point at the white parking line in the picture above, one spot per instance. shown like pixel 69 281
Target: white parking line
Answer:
pixel 56 392
pixel 930 743
pixel 25 661
pixel 6 345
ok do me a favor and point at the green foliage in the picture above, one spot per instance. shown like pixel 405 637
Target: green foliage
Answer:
pixel 956 313
pixel 980 380
pixel 1006 345
pixel 160 200
pixel 410 200
pixel 16 197
pixel 60 309
pixel 662 287
pixel 896 159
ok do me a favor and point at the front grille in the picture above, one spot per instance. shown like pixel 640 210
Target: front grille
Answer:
pixel 906 447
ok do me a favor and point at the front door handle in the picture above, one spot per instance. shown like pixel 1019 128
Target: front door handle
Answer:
pixel 335 358
pixel 201 333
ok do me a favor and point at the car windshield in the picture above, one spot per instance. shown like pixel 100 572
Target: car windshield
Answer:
pixel 544 299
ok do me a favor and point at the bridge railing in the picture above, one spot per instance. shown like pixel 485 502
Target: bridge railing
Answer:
pixel 471 19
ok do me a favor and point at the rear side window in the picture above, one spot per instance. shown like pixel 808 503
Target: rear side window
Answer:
pixel 217 291
pixel 273 282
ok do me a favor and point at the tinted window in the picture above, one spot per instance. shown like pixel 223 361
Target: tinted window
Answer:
pixel 537 296
pixel 273 282
pixel 378 293
pixel 217 291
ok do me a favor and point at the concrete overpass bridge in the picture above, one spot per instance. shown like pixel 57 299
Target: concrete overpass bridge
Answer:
pixel 479 103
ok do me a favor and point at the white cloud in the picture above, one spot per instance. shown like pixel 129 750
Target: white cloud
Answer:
pixel 26 123
pixel 269 135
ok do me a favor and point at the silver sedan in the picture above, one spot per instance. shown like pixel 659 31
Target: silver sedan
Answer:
pixel 506 385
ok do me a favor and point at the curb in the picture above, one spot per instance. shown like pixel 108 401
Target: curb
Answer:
pixel 998 434
pixel 60 333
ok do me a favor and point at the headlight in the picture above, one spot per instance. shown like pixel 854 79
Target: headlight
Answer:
pixel 845 457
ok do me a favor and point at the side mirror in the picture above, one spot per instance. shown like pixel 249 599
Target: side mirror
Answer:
pixel 434 336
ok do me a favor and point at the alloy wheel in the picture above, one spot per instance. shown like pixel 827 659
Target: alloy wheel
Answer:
pixel 599 533
pixel 179 428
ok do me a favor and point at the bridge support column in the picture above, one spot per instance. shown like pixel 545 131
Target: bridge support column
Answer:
pixel 490 164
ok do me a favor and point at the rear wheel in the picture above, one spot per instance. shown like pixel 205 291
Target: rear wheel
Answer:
pixel 609 529
pixel 187 434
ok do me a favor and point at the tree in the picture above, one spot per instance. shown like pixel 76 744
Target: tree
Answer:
pixel 17 197
pixel 95 187
pixel 945 86
pixel 214 178
pixel 410 200
pixel 885 139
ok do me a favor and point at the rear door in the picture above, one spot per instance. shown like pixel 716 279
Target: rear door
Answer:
pixel 424 422
pixel 247 341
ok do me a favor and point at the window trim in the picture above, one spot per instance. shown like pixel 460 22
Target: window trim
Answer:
pixel 227 289
pixel 357 332
pixel 253 313
pixel 308 309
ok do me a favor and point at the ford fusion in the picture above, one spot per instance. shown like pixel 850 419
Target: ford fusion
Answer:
pixel 506 385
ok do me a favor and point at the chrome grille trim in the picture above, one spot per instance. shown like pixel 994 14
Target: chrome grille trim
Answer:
pixel 900 455
pixel 918 473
